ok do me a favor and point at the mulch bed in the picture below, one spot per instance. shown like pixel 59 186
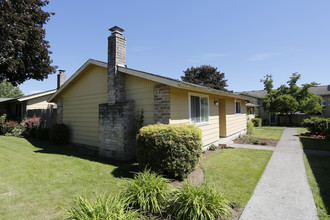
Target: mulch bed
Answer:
pixel 269 142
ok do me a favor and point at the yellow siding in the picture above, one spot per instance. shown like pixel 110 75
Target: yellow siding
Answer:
pixel 180 114
pixel 38 103
pixel 235 122
pixel 142 91
pixel 81 101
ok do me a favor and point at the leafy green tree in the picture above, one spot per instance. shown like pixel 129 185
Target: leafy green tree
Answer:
pixel 24 53
pixel 288 100
pixel 207 76
pixel 7 90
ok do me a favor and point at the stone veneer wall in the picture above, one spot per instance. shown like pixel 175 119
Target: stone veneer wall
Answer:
pixel 162 103
pixel 116 130
pixel 59 111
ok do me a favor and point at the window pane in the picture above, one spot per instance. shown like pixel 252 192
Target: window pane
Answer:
pixel 238 107
pixel 195 109
pixel 204 110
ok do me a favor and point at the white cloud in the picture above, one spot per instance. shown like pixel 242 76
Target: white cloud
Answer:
pixel 263 56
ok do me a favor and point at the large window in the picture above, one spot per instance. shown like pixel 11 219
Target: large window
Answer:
pixel 238 107
pixel 199 109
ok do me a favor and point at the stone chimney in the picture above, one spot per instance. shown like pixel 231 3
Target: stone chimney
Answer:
pixel 116 57
pixel 60 78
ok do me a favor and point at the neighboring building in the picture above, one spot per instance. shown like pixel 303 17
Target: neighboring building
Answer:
pixel 273 119
pixel 100 100
pixel 35 104
pixel 30 105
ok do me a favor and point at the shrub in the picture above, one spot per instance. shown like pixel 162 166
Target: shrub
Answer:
pixel 316 125
pixel 198 202
pixel 9 126
pixel 43 134
pixel 59 134
pixel 213 147
pixel 148 192
pixel 249 127
pixel 105 207
pixel 263 143
pixel 172 150
pixel 31 125
pixel 257 122
pixel 256 141
pixel 2 122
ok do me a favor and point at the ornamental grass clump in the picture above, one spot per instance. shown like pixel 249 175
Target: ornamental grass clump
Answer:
pixel 104 207
pixel 198 202
pixel 147 192
pixel 172 150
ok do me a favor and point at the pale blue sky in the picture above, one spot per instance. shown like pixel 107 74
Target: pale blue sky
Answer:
pixel 245 39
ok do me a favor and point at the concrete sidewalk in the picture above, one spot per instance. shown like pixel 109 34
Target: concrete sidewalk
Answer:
pixel 283 191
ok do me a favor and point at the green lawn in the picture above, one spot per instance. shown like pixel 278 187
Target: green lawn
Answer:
pixel 277 128
pixel 301 130
pixel 268 132
pixel 318 174
pixel 236 172
pixel 38 182
pixel 313 143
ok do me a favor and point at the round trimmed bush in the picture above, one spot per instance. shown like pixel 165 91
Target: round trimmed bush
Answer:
pixel 59 134
pixel 172 150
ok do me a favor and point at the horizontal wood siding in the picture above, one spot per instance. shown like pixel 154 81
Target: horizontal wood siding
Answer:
pixel 81 101
pixel 180 114
pixel 142 91
pixel 235 122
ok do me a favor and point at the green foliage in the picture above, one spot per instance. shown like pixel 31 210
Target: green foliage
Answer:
pixel 256 141
pixel 148 192
pixel 105 207
pixel 268 82
pixel 205 75
pixel 199 202
pixel 316 125
pixel 59 134
pixel 2 122
pixel 172 150
pixel 24 51
pixel 288 100
pixel 12 128
pixel 7 90
pixel 213 147
pixel 249 127
pixel 43 134
pixel 257 122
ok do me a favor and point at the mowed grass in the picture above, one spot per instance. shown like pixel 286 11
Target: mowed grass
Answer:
pixel 38 183
pixel 268 132
pixel 236 172
pixel 318 174
pixel 313 143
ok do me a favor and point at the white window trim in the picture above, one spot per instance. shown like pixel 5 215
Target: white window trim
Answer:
pixel 240 107
pixel 208 108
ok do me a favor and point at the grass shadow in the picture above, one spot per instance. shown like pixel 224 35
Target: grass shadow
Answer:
pixel 315 143
pixel 125 169
pixel 320 166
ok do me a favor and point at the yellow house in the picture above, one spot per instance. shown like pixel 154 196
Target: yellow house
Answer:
pixel 99 103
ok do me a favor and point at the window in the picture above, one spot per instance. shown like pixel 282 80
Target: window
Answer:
pixel 199 109
pixel 238 107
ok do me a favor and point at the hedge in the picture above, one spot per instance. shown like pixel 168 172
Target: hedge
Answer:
pixel 172 150
pixel 257 122
pixel 316 125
